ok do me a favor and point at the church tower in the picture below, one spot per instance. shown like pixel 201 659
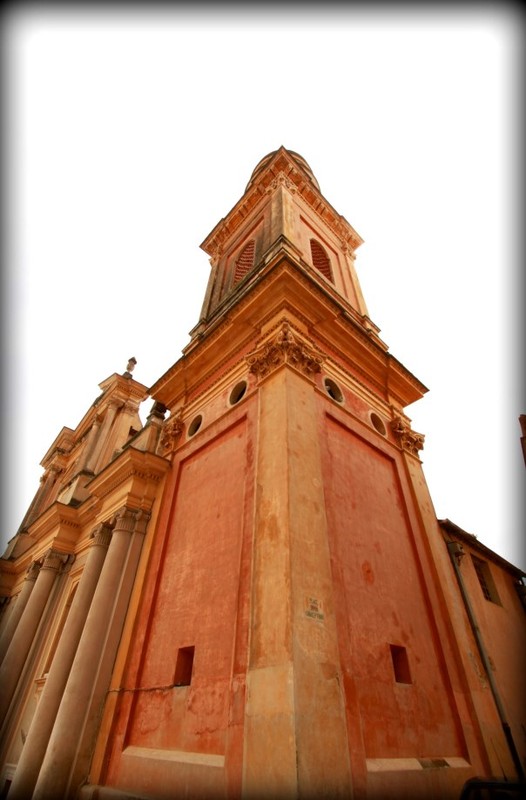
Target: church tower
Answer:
pixel 285 631
pixel 290 639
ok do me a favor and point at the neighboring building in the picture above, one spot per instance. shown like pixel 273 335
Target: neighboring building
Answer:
pixel 487 604
pixel 253 598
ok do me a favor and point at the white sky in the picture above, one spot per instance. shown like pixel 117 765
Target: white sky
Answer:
pixel 130 134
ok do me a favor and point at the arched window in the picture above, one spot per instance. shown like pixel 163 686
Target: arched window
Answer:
pixel 320 259
pixel 245 261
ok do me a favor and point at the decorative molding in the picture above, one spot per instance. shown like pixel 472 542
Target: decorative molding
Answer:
pixel 131 472
pixel 224 322
pixel 143 468
pixel 285 347
pixel 215 254
pixel 407 439
pixel 281 180
pixel 171 431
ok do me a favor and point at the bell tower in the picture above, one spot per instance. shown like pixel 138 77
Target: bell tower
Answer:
pixel 288 635
pixel 282 206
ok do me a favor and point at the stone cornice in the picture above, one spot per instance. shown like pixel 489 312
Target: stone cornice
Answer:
pixel 134 471
pixel 63 444
pixel 54 520
pixel 122 387
pixel 282 169
pixel 281 285
pixel 222 319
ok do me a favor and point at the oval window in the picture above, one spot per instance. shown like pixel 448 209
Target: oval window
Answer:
pixel 237 392
pixel 378 423
pixel 195 425
pixel 333 390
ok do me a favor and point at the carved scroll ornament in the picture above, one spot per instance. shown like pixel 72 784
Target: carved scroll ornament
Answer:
pixel 172 429
pixel 408 439
pixel 281 180
pixel 284 347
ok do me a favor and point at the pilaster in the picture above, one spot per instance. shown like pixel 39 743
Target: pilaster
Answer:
pixel 109 417
pixel 296 739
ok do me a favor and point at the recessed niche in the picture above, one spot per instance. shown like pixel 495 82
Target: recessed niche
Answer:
pixel 237 392
pixel 378 423
pixel 184 666
pixel 400 664
pixel 195 425
pixel 333 390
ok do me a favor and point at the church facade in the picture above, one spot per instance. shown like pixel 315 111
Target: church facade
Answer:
pixel 250 596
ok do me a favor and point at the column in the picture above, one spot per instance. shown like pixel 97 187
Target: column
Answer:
pixel 70 746
pixel 23 637
pixel 28 767
pixel 20 604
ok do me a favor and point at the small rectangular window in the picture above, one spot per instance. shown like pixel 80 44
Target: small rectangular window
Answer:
pixel 489 590
pixel 400 664
pixel 184 666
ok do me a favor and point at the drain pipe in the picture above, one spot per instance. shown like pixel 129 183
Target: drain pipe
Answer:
pixel 456 552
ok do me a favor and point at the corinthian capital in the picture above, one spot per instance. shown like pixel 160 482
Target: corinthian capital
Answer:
pixel 33 570
pixel 124 520
pixel 408 439
pixel 101 535
pixel 54 560
pixel 288 347
pixel 130 520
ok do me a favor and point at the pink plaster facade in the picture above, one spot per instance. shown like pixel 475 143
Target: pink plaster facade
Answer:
pixel 250 596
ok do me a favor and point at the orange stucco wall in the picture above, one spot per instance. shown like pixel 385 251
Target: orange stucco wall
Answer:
pixel 382 601
pixel 195 595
